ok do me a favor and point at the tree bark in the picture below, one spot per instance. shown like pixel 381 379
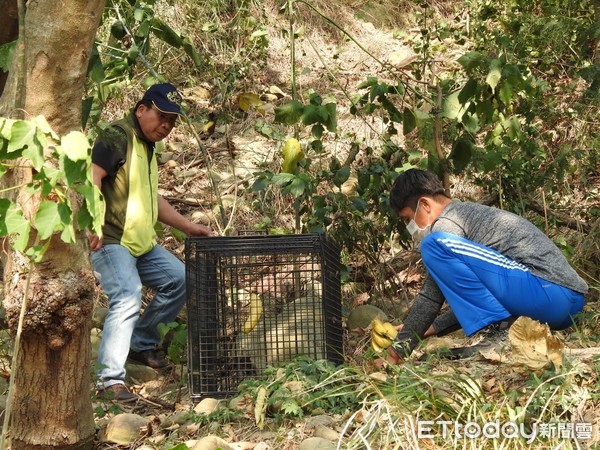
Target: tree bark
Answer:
pixel 51 395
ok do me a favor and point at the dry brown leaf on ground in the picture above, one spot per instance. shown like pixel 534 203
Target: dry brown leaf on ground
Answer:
pixel 534 345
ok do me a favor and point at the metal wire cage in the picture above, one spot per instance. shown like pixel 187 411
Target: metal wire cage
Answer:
pixel 254 301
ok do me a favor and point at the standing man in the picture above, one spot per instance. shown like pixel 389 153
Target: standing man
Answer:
pixel 127 256
pixel 490 265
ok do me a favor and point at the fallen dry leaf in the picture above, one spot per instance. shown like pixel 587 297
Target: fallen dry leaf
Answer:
pixel 534 345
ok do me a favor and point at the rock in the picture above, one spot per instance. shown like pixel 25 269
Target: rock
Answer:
pixel 207 406
pixel 212 443
pixel 316 443
pixel 363 315
pixel 327 433
pixel 126 428
pixel 99 315
pixel 401 58
pixel 165 157
pixel 322 420
pixel 202 217
pixel 171 164
pixel 350 186
pixel 262 446
pixel 178 418
pixel 141 373
pixel 95 340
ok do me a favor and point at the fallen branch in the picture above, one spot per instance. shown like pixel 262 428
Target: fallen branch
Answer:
pixel 560 218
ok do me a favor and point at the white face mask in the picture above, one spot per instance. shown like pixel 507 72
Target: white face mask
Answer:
pixel 418 234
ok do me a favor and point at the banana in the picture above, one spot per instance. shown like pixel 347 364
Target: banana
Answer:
pixel 382 335
pixel 256 309
pixel 380 341
pixel 385 329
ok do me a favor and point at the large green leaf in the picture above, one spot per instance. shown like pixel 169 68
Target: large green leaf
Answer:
pixel 461 153
pixel 13 223
pixel 75 146
pixel 289 113
pixel 468 91
pixel 192 52
pixel 341 176
pixel 495 74
pixel 165 33
pixel 331 122
pixel 6 55
pixel 471 60
pixel 48 219
pixel 314 114
pixel 296 187
pixel 22 135
pixel 452 108
pixel 92 215
pixel 409 121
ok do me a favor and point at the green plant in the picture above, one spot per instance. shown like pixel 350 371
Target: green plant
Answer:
pixel 175 334
pixel 59 166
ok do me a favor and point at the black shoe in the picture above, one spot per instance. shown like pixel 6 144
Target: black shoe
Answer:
pixel 117 392
pixel 151 358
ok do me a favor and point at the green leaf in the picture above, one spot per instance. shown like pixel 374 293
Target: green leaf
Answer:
pixel 468 91
pixel 48 219
pixel 75 146
pixel 494 75
pixel 452 107
pixel 471 60
pixel 7 51
pixel 260 184
pixel 314 114
pixel 505 92
pixel 471 123
pixel 282 178
pixel 190 49
pixel 368 83
pixel 461 153
pixel 94 207
pixel 13 223
pixel 139 14
pixel 35 151
pixel 22 135
pixel 331 122
pixel 409 121
pixel 317 131
pixel 341 176
pixel 296 187
pixel 165 33
pixel 289 113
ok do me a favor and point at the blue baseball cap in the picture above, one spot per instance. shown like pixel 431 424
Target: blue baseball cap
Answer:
pixel 165 97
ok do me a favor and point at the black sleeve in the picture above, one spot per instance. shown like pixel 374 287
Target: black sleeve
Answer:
pixel 110 149
pixel 426 307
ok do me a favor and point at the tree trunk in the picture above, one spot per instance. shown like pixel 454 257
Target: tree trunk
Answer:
pixel 51 404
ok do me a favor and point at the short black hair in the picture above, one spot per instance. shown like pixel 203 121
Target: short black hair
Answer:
pixel 146 103
pixel 412 185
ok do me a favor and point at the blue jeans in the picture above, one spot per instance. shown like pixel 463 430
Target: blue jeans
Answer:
pixel 121 277
pixel 482 286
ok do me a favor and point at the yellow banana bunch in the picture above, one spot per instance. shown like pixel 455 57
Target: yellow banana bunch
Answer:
pixel 256 309
pixel 382 335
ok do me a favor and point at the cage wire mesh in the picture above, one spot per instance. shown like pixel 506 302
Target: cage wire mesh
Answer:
pixel 254 301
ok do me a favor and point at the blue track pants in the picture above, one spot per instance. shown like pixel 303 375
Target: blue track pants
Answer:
pixel 483 286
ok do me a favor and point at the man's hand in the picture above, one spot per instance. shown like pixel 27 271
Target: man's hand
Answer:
pixel 195 229
pixel 95 242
